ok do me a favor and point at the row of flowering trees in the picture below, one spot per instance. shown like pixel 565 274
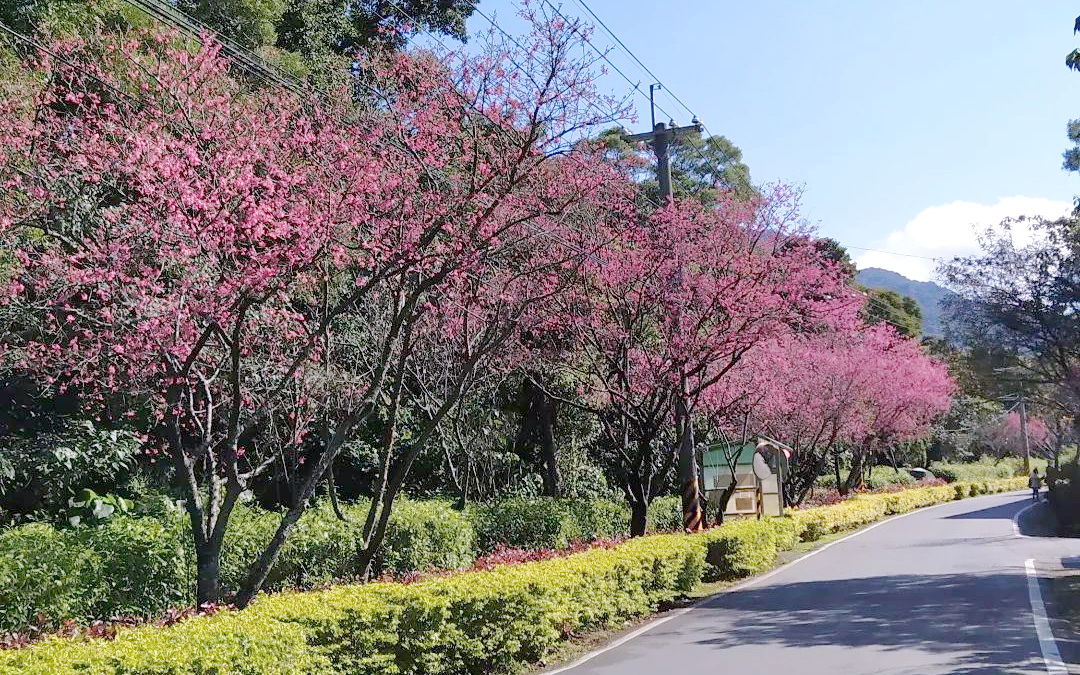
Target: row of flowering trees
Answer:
pixel 253 278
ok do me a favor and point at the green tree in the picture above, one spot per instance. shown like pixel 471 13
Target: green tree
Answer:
pixel 834 251
pixel 250 23
pixel 701 166
pixel 316 29
pixel 1072 130
pixel 311 29
pixel 885 306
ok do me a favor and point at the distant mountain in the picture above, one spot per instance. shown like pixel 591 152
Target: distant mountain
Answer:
pixel 928 294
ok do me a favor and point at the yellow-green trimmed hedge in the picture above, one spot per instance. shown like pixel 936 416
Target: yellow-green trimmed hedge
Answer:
pixel 476 622
pixel 865 509
pixel 473 622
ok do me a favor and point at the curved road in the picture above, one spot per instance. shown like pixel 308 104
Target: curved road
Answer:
pixel 941 590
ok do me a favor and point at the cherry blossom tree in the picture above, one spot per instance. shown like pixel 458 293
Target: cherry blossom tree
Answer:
pixel 247 269
pixel 672 304
pixel 858 389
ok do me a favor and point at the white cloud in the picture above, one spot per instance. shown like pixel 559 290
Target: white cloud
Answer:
pixel 949 230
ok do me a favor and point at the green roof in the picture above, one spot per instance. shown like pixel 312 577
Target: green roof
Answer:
pixel 716 454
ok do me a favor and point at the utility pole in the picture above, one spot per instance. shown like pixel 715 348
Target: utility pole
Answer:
pixel 1024 433
pixel 1022 404
pixel 660 139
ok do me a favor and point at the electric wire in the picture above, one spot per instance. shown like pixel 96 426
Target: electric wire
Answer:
pixel 266 72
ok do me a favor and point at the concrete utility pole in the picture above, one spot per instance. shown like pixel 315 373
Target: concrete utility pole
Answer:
pixel 660 139
pixel 1022 404
pixel 1024 433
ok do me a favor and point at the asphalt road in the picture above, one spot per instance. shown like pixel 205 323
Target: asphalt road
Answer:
pixel 942 590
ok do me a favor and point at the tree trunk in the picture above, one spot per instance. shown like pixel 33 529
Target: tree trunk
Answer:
pixel 687 463
pixel 725 495
pixel 536 428
pixel 855 476
pixel 639 518
pixel 268 558
pixel 552 480
pixel 208 573
pixel 375 540
pixel 331 487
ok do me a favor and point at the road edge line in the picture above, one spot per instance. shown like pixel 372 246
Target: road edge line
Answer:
pixel 746 584
pixel 1047 645
pixel 1016 520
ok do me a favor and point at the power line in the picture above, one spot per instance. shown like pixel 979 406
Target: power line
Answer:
pixel 267 73
pixel 678 100
pixel 634 56
pixel 247 59
pixel 906 255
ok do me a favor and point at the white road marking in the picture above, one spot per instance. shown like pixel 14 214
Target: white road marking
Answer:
pixel 1016 519
pixel 746 584
pixel 1049 648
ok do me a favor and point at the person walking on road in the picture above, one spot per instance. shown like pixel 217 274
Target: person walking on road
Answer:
pixel 1035 483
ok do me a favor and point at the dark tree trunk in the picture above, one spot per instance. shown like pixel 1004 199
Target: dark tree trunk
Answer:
pixel 208 574
pixel 639 518
pixel 725 495
pixel 855 476
pixel 552 480
pixel 536 428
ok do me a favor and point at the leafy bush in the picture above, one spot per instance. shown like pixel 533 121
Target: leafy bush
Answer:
pixel 228 643
pixel 601 518
pixel 45 470
pixel 45 575
pixel 864 509
pixel 89 508
pixel 148 566
pixel 984 469
pixel 743 547
pixel 536 523
pixel 665 514
pixel 426 535
pixel 530 523
pixel 884 476
pixel 476 622
pixel 322 547
pixel 855 512
pixel 879 477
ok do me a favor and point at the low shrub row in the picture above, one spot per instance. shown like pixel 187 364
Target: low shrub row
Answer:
pixel 140 566
pixel 864 509
pixel 547 523
pixel 879 477
pixel 988 468
pixel 477 622
pixel 473 622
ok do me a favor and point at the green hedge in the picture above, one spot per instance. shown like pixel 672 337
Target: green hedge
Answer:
pixel 43 569
pixel 539 523
pixel 743 547
pixel 477 622
pixel 864 509
pixel 879 477
pixel 972 471
pixel 474 622
pixel 665 514
pixel 142 566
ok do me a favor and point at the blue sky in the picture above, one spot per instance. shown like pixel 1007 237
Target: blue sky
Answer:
pixel 910 124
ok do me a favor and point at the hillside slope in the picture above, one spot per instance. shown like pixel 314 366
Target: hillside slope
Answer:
pixel 928 294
